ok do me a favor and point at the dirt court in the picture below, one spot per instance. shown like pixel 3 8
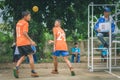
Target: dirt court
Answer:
pixel 44 70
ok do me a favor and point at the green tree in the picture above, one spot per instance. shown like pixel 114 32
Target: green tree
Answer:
pixel 73 14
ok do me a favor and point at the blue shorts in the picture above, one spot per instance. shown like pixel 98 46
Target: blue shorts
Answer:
pixel 60 52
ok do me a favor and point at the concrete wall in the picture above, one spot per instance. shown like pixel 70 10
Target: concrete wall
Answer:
pixel 82 46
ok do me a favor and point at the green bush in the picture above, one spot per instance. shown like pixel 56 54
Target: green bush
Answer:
pixel 5 48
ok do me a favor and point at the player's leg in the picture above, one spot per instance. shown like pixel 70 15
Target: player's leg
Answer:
pixel 69 65
pixel 55 62
pixel 24 51
pixel 65 56
pixel 67 61
pixel 16 69
pixel 31 61
pixel 29 53
pixel 20 61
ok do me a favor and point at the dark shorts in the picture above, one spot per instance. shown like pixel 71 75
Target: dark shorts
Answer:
pixel 25 50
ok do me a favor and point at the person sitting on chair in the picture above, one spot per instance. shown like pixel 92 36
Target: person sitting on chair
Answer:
pixel 75 53
pixel 104 21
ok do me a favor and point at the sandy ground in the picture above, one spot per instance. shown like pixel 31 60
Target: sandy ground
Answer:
pixel 44 70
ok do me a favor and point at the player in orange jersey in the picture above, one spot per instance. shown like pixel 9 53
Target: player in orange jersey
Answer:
pixel 60 47
pixel 24 42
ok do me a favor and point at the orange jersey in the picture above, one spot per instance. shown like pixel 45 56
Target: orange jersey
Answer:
pixel 21 27
pixel 59 39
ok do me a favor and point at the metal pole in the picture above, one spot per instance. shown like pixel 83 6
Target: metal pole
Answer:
pixel 116 18
pixel 103 4
pixel 88 37
pixel 107 59
pixel 110 37
pixel 115 54
pixel 92 40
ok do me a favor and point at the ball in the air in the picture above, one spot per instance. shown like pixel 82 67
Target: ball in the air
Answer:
pixel 35 8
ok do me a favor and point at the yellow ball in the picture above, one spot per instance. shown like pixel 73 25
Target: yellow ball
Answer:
pixel 35 8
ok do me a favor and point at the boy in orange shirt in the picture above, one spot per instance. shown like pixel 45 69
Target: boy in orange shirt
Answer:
pixel 24 42
pixel 60 47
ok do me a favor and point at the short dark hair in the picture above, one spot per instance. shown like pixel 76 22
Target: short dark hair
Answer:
pixel 58 20
pixel 25 13
pixel 75 43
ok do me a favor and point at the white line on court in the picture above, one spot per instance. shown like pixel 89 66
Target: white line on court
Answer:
pixel 113 74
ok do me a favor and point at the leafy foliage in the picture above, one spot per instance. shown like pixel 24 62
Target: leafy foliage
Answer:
pixel 73 14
